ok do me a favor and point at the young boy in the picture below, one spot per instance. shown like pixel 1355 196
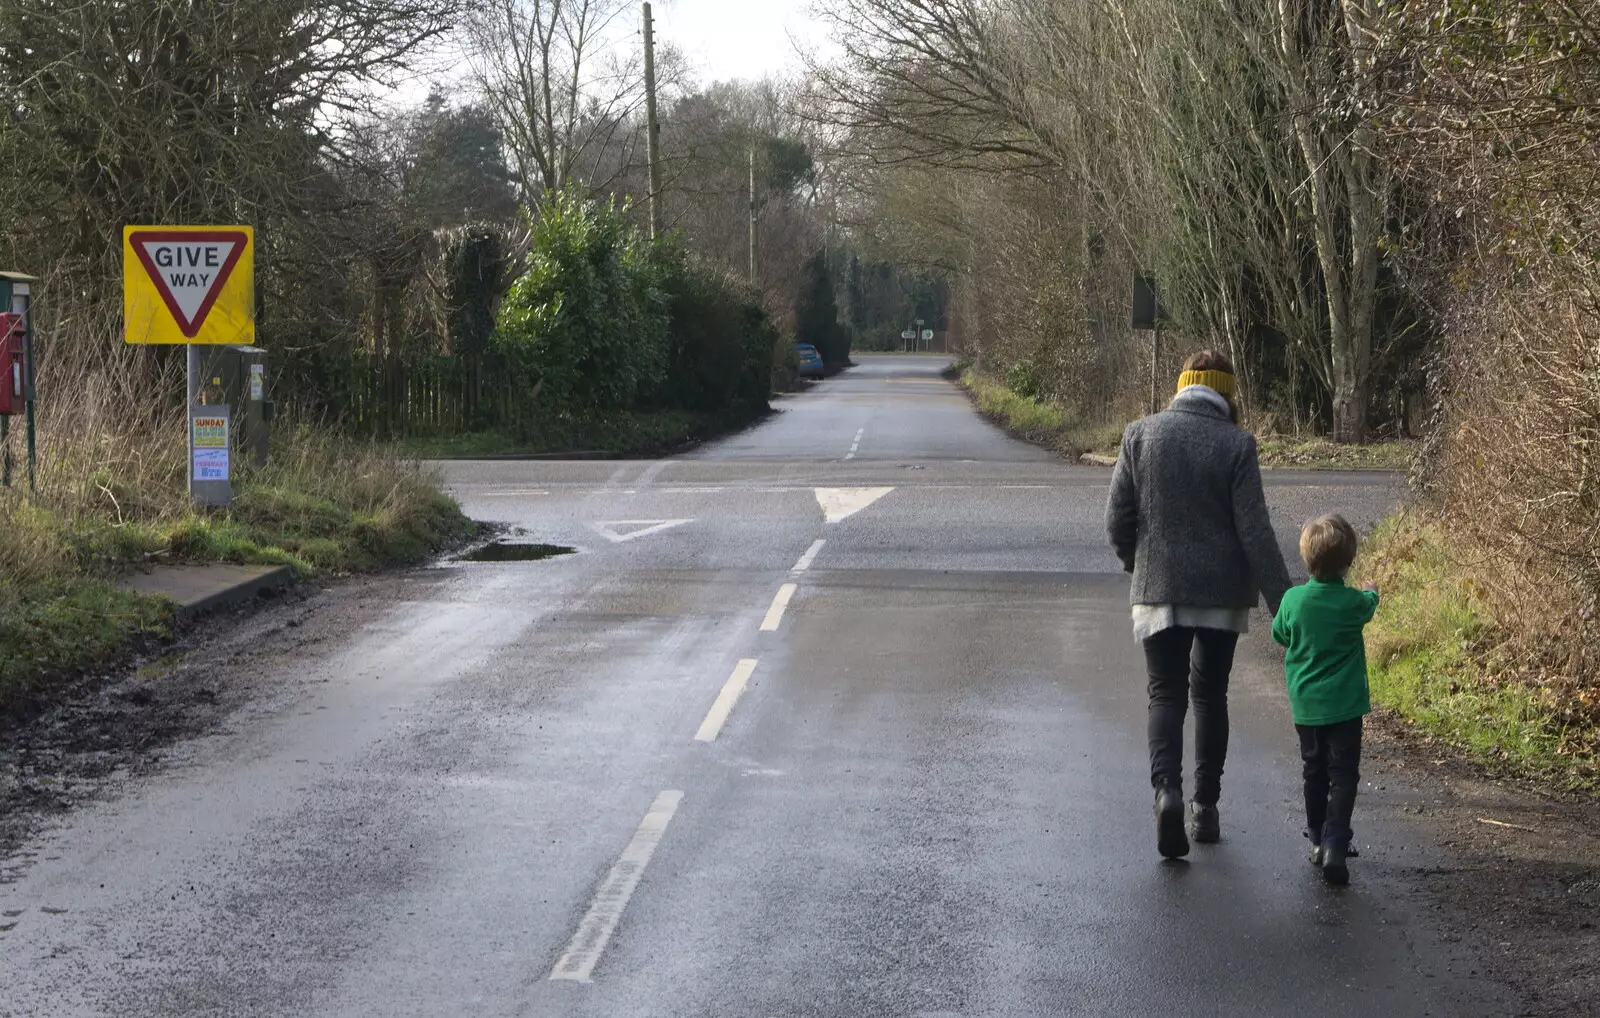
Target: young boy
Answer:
pixel 1326 668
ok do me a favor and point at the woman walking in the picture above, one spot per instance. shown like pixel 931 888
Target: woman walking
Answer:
pixel 1188 519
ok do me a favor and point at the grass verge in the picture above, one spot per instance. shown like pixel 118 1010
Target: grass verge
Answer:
pixel 652 433
pixel 1040 422
pixel 323 505
pixel 1433 656
pixel 1321 454
pixel 1047 424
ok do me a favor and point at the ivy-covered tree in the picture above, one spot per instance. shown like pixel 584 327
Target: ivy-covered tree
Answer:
pixel 817 313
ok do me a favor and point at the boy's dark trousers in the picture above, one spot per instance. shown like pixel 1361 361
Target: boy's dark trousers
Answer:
pixel 1332 755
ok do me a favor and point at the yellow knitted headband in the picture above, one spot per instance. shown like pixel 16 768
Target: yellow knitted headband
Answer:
pixel 1218 380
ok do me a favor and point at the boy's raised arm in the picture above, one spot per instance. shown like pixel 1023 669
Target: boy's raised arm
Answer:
pixel 1369 600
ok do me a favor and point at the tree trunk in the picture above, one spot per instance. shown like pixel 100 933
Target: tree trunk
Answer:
pixel 1350 412
pixel 1348 224
pixel 1352 344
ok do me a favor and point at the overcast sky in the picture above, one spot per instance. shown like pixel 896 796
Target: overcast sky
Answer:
pixel 739 38
pixel 722 39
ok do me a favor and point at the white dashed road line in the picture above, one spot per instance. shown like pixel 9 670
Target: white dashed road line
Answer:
pixel 856 446
pixel 809 557
pixel 600 922
pixel 711 727
pixel 780 604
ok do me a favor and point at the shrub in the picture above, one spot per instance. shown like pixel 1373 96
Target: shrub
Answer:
pixel 1023 380
pixel 720 341
pixel 609 323
pixel 589 317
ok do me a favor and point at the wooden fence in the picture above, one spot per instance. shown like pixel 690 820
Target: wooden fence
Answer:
pixel 425 396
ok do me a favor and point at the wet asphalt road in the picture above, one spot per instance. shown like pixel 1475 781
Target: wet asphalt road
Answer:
pixel 929 800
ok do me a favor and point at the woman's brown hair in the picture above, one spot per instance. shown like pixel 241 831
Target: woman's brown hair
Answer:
pixel 1214 360
pixel 1209 360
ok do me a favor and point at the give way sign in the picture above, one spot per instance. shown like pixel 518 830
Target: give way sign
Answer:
pixel 189 284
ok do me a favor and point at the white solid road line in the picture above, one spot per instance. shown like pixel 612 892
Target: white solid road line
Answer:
pixel 600 922
pixel 780 604
pixel 711 727
pixel 809 557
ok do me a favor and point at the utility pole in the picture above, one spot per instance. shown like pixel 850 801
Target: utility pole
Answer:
pixel 755 232
pixel 652 123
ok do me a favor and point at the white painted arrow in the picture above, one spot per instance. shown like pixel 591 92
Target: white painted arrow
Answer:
pixel 608 529
pixel 842 503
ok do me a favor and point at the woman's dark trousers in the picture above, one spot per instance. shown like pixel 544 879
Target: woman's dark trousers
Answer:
pixel 1189 664
pixel 1332 755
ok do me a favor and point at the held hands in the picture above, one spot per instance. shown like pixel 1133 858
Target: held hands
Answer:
pixel 1370 586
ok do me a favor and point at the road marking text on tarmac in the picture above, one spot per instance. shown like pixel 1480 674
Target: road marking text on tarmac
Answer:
pixel 809 557
pixel 780 604
pixel 711 727
pixel 600 922
pixel 843 503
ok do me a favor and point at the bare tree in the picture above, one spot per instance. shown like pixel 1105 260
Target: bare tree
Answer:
pixel 174 111
pixel 563 94
pixel 1228 144
pixel 1347 179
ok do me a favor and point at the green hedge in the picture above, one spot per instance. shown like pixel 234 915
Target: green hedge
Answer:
pixel 604 322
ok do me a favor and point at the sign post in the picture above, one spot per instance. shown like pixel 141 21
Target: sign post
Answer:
pixel 1147 315
pixel 193 285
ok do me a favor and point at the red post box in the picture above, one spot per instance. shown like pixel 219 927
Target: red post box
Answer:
pixel 13 372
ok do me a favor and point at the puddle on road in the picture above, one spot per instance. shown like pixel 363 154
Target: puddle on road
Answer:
pixel 512 551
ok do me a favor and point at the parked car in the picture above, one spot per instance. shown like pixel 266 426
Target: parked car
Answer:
pixel 811 365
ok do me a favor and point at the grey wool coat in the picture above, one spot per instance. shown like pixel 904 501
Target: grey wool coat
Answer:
pixel 1187 514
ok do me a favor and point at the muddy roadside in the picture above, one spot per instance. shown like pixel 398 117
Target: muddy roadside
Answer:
pixel 1520 880
pixel 105 731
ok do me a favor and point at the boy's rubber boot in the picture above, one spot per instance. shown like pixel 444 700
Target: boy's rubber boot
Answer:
pixel 1334 868
pixel 1205 824
pixel 1171 840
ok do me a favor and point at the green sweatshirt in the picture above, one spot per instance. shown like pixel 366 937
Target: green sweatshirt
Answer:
pixel 1326 665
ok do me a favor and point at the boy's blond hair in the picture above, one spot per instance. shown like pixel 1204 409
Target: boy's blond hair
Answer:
pixel 1328 544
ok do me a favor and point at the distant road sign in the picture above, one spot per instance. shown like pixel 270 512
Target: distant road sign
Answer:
pixel 909 334
pixel 927 335
pixel 1147 309
pixel 189 284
